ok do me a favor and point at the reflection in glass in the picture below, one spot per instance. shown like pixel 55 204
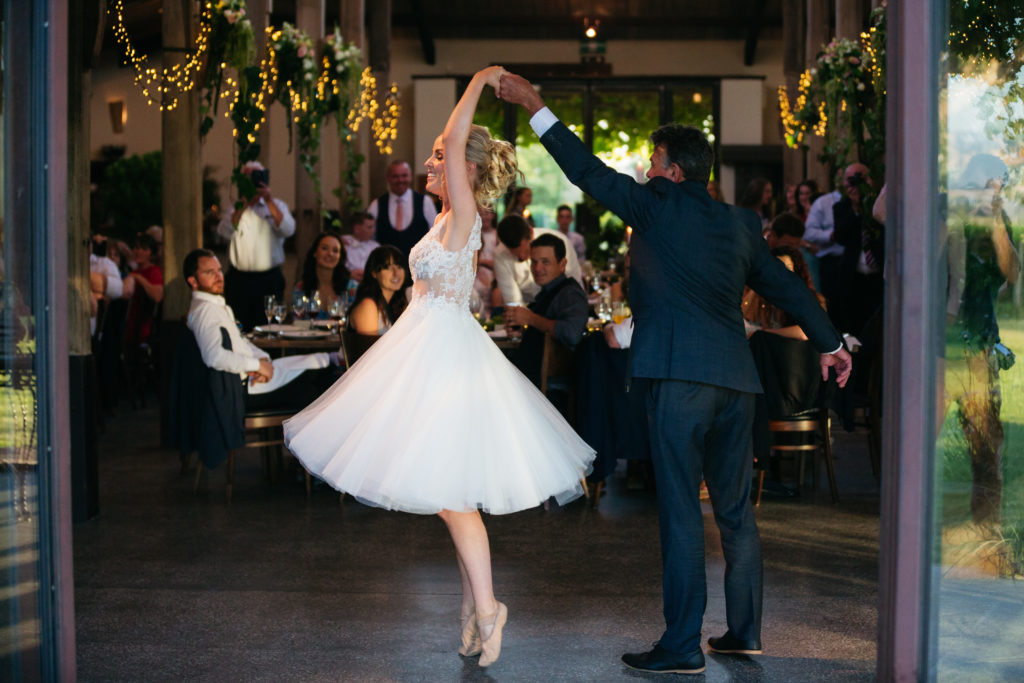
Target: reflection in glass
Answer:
pixel 980 444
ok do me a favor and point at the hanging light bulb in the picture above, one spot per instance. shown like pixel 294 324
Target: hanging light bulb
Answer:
pixel 590 27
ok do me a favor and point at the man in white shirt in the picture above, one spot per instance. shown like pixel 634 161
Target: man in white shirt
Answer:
pixel 406 215
pixel 281 382
pixel 359 244
pixel 512 259
pixel 819 231
pixel 564 219
pixel 256 252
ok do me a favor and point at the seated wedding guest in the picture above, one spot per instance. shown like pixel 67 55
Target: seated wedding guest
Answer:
pixel 144 286
pixel 291 381
pixel 791 200
pixel 512 255
pixel 380 298
pixel 559 309
pixel 787 230
pixel 324 275
pixel 564 219
pixel 758 314
pixel 359 244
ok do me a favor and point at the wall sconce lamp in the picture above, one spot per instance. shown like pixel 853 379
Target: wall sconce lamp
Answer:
pixel 590 27
pixel 118 115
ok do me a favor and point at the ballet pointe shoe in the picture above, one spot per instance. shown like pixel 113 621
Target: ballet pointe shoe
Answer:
pixel 470 635
pixel 491 645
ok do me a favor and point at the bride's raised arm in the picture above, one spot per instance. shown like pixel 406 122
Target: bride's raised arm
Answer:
pixel 457 175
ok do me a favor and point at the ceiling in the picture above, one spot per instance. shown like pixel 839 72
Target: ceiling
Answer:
pixel 430 20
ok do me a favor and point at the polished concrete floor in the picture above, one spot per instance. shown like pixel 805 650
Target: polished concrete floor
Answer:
pixel 173 586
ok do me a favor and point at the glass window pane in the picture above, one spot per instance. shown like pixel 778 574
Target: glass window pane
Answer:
pixel 541 174
pixel 20 620
pixel 979 533
pixel 693 106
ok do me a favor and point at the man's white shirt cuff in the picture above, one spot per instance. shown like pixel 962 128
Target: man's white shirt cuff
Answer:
pixel 542 121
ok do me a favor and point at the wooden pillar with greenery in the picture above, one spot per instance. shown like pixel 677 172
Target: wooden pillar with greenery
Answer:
pixel 353 22
pixel 309 17
pixel 182 176
pixel 819 31
pixel 793 59
pixel 379 61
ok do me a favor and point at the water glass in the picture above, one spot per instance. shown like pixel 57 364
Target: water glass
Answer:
pixel 269 302
pixel 300 303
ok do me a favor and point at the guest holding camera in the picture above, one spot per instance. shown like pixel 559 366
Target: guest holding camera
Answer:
pixel 259 229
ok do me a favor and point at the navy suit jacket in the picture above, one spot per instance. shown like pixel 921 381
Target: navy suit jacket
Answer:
pixel 690 259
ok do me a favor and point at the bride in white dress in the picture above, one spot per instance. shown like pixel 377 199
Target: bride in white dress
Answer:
pixel 475 434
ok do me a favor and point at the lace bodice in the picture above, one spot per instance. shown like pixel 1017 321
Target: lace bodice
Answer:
pixel 443 278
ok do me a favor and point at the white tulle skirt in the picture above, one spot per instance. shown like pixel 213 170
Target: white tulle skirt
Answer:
pixel 434 417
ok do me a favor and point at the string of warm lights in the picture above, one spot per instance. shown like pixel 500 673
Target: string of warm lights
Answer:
pixel 162 87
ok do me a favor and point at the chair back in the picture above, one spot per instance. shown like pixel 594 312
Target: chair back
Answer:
pixel 354 345
pixel 557 366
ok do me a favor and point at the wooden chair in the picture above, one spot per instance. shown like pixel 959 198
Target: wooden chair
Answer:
pixel 558 373
pixel 261 424
pixel 354 345
pixel 813 432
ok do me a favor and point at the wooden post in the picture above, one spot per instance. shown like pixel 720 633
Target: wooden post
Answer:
pixel 353 21
pixel 849 18
pixel 379 49
pixel 819 32
pixel 182 178
pixel 309 16
pixel 793 60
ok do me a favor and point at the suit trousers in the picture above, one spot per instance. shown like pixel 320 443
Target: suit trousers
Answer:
pixel 703 431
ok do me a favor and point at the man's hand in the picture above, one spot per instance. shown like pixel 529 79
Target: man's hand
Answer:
pixel 518 90
pixel 841 361
pixel 517 315
pixel 264 373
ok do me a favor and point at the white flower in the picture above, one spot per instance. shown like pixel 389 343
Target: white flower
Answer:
pixel 860 86
pixel 309 76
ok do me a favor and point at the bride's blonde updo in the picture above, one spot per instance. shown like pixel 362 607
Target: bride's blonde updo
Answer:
pixel 496 165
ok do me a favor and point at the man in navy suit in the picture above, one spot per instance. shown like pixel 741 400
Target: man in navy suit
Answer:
pixel 691 257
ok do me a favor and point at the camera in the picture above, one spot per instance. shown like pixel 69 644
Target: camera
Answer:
pixel 856 180
pixel 99 247
pixel 260 176
pixel 1005 358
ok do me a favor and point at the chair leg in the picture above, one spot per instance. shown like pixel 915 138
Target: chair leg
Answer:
pixel 760 488
pixel 231 474
pixel 199 472
pixel 830 467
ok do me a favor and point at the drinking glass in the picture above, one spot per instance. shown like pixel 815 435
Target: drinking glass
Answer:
pixel 337 308
pixel 269 303
pixel 313 305
pixel 280 312
pixel 604 310
pixel 299 305
pixel 514 332
pixel 595 282
pixel 619 311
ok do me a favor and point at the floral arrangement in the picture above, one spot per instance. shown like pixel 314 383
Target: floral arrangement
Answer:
pixel 231 44
pixel 842 99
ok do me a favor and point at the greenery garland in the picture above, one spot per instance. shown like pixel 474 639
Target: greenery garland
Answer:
pixel 842 99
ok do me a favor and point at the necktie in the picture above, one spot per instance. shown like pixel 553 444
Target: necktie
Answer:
pixel 399 213
pixel 865 243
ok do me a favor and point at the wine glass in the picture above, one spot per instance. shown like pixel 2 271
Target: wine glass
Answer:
pixel 280 312
pixel 604 310
pixel 300 303
pixel 595 282
pixel 313 305
pixel 269 303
